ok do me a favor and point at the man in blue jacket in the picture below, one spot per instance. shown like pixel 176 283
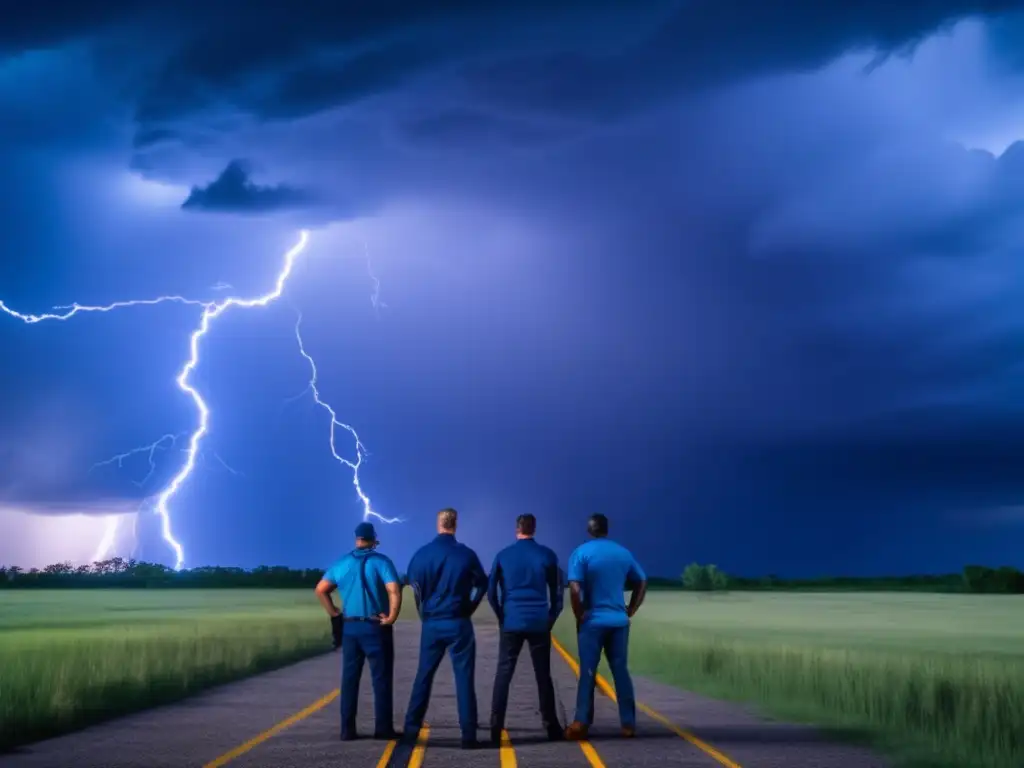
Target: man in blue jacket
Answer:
pixel 525 592
pixel 599 571
pixel 371 598
pixel 448 582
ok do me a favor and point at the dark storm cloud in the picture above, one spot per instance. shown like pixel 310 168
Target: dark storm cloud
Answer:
pixel 234 192
pixel 527 55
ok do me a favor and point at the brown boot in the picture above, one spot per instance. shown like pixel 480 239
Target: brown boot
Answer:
pixel 576 731
pixel 628 732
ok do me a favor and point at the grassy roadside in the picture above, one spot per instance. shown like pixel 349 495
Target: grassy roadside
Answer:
pixel 77 659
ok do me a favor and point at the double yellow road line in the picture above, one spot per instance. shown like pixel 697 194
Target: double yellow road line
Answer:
pixel 507 754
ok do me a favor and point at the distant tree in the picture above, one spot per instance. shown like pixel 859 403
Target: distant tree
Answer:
pixel 696 577
pixel 719 579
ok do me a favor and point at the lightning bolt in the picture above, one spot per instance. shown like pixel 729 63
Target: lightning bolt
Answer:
pixel 361 453
pixel 211 311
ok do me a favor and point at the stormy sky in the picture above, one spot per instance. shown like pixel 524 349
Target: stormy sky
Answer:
pixel 745 276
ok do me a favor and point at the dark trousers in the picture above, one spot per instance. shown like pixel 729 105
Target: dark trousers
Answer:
pixel 457 637
pixel 614 642
pixel 509 647
pixel 368 641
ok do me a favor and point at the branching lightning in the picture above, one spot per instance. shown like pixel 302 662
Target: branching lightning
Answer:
pixel 211 311
pixel 150 450
pixel 361 452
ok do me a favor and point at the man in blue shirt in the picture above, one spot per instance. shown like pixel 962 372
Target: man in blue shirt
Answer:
pixel 448 582
pixel 525 591
pixel 599 572
pixel 371 598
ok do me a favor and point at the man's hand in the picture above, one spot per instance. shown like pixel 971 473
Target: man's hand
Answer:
pixel 386 620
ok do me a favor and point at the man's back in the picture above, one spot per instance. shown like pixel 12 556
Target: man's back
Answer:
pixel 443 575
pixel 349 572
pixel 531 594
pixel 602 567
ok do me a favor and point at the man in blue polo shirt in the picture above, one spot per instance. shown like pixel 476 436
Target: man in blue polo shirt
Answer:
pixel 599 572
pixel 448 582
pixel 371 599
pixel 525 592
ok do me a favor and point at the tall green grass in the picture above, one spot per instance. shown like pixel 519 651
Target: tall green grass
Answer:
pixel 68 659
pixel 906 672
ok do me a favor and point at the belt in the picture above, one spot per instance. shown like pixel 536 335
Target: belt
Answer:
pixel 367 619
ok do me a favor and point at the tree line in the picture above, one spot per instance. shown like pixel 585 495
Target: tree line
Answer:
pixel 976 579
pixel 128 573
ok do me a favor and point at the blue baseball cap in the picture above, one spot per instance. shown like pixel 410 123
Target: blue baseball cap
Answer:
pixel 365 531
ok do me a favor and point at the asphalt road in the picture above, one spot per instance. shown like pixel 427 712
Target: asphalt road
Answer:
pixel 290 719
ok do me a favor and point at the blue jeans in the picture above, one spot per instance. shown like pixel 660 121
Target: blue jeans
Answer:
pixel 457 637
pixel 366 641
pixel 614 641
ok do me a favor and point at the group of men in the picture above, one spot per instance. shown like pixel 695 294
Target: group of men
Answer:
pixel 525 591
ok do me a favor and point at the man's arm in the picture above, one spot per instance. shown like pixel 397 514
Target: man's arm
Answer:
pixel 493 597
pixel 323 594
pixel 394 587
pixel 576 577
pixel 555 590
pixel 638 580
pixel 479 581
pixel 576 600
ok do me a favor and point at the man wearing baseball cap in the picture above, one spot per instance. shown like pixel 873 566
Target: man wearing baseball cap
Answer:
pixel 371 598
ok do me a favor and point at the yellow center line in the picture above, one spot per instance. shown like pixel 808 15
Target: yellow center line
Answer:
pixel 419 751
pixel 507 754
pixel 385 758
pixel 591 754
pixel 682 733
pixel 241 749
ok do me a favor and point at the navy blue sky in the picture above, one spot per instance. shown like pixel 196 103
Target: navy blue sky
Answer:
pixel 742 275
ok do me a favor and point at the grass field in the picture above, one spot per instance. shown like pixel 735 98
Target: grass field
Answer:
pixel 69 658
pixel 937 680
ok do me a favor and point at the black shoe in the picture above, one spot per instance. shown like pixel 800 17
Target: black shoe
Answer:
pixel 556 734
pixel 351 736
pixel 391 735
pixel 496 736
pixel 470 744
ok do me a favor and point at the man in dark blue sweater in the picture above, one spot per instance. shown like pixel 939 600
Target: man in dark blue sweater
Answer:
pixel 525 591
pixel 449 583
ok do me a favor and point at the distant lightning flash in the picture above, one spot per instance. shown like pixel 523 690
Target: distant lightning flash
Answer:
pixel 368 510
pixel 375 297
